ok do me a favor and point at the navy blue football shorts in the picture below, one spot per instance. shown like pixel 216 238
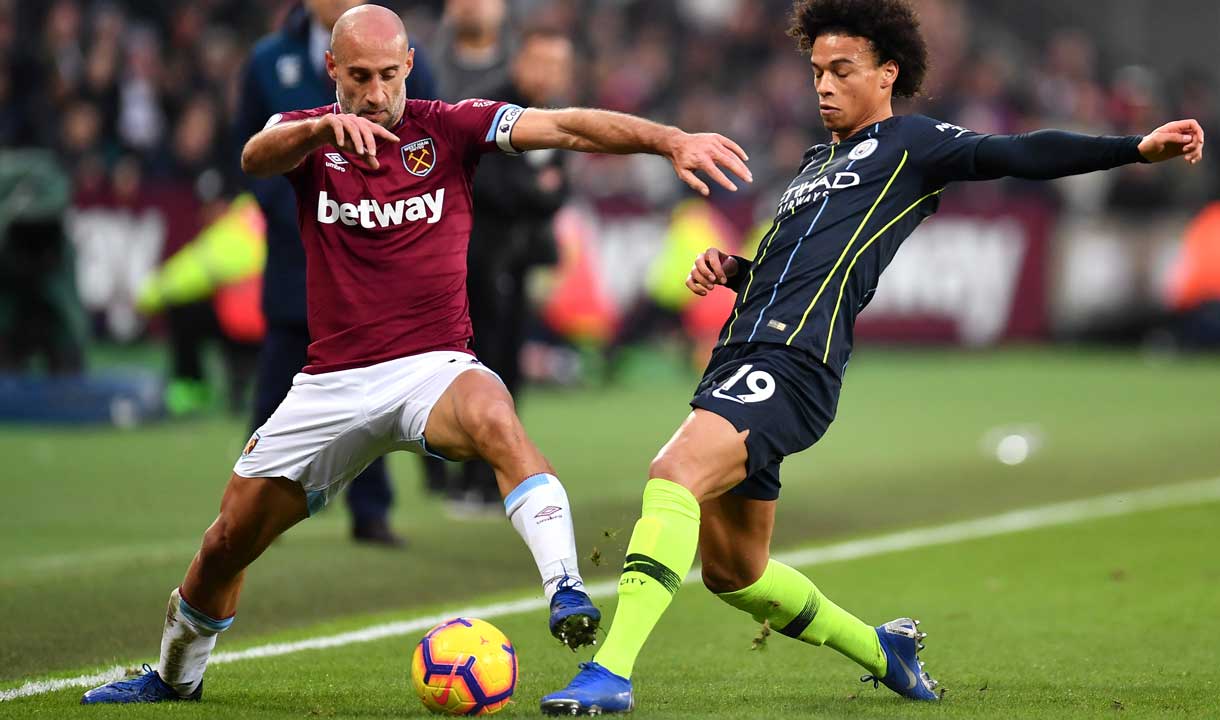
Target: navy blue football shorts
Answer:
pixel 781 394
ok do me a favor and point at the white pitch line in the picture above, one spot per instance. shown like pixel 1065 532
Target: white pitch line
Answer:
pixel 1065 513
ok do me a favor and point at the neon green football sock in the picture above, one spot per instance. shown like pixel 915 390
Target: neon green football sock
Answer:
pixel 796 608
pixel 659 556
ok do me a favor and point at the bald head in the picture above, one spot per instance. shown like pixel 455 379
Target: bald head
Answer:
pixel 369 60
pixel 368 27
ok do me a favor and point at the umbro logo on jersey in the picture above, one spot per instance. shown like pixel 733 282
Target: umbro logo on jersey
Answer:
pixel 335 161
pixel 370 214
pixel 419 157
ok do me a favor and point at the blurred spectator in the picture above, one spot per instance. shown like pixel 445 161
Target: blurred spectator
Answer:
pixel 1193 292
pixel 724 65
pixel 141 115
pixel 473 45
pixel 41 322
pixel 1136 107
pixel 515 201
pixel 472 48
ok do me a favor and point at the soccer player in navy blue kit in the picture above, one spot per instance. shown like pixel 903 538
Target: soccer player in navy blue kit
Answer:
pixel 772 385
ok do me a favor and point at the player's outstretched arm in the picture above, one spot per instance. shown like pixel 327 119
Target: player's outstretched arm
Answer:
pixel 602 131
pixel 1050 154
pixel 714 267
pixel 281 147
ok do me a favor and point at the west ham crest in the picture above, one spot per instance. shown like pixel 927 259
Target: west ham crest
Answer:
pixel 419 157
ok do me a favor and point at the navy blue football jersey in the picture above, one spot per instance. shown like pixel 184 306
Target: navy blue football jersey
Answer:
pixel 853 203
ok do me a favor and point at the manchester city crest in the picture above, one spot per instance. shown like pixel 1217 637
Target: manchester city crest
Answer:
pixel 419 157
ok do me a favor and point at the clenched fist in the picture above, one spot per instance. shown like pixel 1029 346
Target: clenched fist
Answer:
pixel 712 268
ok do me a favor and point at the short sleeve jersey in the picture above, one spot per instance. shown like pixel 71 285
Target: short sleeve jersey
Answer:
pixel 386 249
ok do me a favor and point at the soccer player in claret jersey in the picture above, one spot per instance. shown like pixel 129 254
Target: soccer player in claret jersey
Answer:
pixel 384 205
pixel 772 384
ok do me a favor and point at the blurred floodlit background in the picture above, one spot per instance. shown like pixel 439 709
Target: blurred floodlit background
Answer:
pixel 136 101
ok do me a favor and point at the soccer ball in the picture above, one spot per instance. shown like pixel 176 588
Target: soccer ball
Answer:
pixel 464 666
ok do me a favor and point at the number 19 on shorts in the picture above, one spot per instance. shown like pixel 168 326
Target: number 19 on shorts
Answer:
pixel 759 384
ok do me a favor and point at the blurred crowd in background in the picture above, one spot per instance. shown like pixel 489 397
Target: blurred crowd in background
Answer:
pixel 133 93
pixel 138 99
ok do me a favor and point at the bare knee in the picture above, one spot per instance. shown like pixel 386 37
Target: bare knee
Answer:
pixel 670 466
pixel 728 574
pixel 494 428
pixel 707 456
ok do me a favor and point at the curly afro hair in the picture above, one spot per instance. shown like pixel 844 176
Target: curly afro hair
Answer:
pixel 891 25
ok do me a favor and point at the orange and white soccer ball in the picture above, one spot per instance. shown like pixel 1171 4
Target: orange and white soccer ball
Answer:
pixel 464 666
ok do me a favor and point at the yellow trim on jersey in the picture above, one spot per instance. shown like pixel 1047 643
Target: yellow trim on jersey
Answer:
pixel 832 157
pixel 766 245
pixel 847 273
pixel 847 249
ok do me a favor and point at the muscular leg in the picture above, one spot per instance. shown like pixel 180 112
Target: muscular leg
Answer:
pixel 475 417
pixel 685 503
pixel 734 542
pixel 253 512
pixel 705 457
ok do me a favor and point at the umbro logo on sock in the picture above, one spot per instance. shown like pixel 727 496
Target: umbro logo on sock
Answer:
pixel 550 512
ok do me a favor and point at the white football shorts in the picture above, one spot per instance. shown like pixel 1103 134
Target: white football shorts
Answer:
pixel 331 426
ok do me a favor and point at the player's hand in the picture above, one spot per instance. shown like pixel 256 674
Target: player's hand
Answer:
pixel 354 134
pixel 1180 138
pixel 707 152
pixel 712 268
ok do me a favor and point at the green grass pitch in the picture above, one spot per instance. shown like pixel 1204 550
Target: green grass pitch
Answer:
pixel 1103 618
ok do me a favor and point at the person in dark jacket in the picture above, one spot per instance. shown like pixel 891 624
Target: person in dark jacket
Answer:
pixel 515 200
pixel 286 71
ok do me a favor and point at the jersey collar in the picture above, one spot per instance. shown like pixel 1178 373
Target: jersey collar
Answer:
pixel 869 131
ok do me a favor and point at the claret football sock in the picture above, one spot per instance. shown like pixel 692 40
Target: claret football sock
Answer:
pixel 659 556
pixel 186 644
pixel 538 508
pixel 795 607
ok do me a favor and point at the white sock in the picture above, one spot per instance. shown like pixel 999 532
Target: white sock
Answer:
pixel 539 509
pixel 186 644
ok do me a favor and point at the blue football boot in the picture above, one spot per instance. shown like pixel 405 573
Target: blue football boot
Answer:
pixel 146 688
pixel 574 619
pixel 594 691
pixel 904 673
